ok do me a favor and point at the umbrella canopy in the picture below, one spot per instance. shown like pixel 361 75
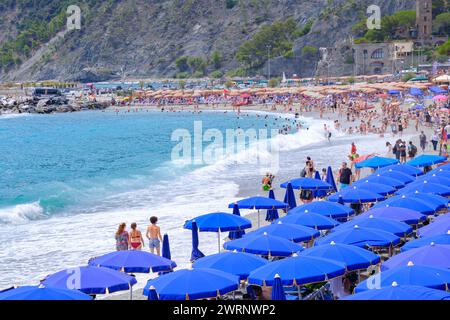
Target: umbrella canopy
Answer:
pixel 354 194
pixel 416 92
pixel 407 202
pixel 232 262
pixel 421 242
pixel 277 289
pixel 289 197
pixel 272 214
pixel 435 255
pixel 426 187
pixel 425 276
pixel 297 270
pixel 443 179
pixel 437 227
pixel 361 237
pixel 394 92
pixel 43 293
pixel 152 295
pixel 437 90
pixel 442 171
pixel 440 98
pixel 374 187
pixel 435 200
pixel 193 284
pixel 397 175
pixel 326 208
pixel 376 162
pixel 397 184
pixel 353 257
pixel 291 232
pixel 90 280
pixel 307 184
pixel 426 160
pixel 398 228
pixel 236 234
pixel 196 253
pixel 405 215
pixel 330 179
pixel 165 252
pixel 264 244
pixel 133 261
pixel 219 221
pixel 309 219
pixel 259 203
pixel 399 292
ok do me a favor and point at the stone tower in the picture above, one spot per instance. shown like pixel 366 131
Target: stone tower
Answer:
pixel 424 19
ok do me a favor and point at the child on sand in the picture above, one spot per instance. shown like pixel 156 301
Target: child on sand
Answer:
pixel 154 236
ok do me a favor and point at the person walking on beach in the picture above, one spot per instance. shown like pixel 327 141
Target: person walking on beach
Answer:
pixel 345 176
pixel 412 150
pixel 154 236
pixel 434 141
pixel 136 240
pixel 122 238
pixel 423 141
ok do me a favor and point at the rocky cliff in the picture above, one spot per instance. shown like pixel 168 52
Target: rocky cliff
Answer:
pixel 144 38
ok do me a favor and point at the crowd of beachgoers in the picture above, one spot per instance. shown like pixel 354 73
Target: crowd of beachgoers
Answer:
pixel 402 205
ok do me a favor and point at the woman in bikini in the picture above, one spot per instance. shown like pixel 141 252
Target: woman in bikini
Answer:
pixel 136 240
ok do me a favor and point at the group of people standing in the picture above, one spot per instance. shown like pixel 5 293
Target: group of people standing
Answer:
pixel 134 240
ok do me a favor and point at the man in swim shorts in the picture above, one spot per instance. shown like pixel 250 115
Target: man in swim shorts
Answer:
pixel 154 236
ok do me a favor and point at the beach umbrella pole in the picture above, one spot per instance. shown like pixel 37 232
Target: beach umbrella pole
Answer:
pixel 259 223
pixel 131 293
pixel 218 239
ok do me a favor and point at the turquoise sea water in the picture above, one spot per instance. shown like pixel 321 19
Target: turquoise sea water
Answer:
pixel 66 162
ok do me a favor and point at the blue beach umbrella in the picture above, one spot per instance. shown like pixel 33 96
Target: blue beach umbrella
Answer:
pixel 277 289
pixel 289 197
pixel 272 214
pixel 397 184
pixel 445 167
pixel 438 202
pixel 398 228
pixel 354 258
pixel 393 92
pixel 258 203
pixel 435 178
pixel 309 219
pixel 236 234
pixel 442 171
pixel 152 295
pixel 165 252
pixel 376 162
pixel 320 193
pixel 402 168
pixel 437 227
pixel 374 187
pixel 354 194
pixel 416 92
pixel 307 184
pixel 193 284
pixel 425 276
pixel 426 187
pixel 297 271
pixel 292 232
pixel 43 293
pixel 437 90
pixel 327 208
pixel 232 262
pixel 399 292
pixel 219 222
pixel 264 244
pixel 361 237
pixel 408 202
pixel 196 253
pixel 330 179
pixel 397 175
pixel 421 242
pixel 133 261
pixel 90 280
pixel 426 160
pixel 405 215
pixel 435 255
